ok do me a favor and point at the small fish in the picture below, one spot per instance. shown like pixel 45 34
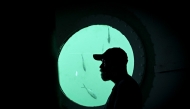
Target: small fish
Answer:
pixel 108 36
pixel 76 74
pixel 103 48
pixel 90 92
pixel 84 67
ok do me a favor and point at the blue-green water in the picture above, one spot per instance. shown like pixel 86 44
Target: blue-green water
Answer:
pixel 76 65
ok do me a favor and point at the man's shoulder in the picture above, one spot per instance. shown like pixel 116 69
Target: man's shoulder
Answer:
pixel 128 83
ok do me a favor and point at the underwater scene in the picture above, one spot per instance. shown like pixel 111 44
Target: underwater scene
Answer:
pixel 79 74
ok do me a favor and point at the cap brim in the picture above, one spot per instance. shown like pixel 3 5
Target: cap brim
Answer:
pixel 98 57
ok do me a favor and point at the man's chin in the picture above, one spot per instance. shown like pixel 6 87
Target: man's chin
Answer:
pixel 105 78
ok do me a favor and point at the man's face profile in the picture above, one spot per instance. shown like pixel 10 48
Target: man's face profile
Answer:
pixel 105 69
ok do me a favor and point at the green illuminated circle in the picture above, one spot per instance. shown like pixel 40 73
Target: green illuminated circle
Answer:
pixel 77 67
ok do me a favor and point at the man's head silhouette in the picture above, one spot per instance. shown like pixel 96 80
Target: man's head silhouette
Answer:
pixel 114 61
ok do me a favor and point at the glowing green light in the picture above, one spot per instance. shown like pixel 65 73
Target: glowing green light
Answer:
pixel 77 68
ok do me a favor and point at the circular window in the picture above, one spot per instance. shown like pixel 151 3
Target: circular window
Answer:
pixel 79 75
pixel 77 67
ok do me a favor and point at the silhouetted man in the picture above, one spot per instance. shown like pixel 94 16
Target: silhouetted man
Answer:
pixel 126 93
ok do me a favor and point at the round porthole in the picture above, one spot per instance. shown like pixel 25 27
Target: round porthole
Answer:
pixel 79 75
pixel 77 67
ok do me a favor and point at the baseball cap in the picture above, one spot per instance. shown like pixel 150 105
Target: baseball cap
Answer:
pixel 115 54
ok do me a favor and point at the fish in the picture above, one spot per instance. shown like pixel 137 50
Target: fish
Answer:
pixel 90 92
pixel 109 39
pixel 83 65
pixel 103 48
